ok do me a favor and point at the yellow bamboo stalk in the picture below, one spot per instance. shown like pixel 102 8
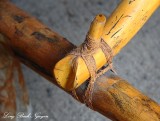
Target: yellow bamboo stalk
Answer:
pixel 121 26
pixel 94 34
pixel 97 27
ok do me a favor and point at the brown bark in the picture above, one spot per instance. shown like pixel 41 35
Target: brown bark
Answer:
pixel 40 48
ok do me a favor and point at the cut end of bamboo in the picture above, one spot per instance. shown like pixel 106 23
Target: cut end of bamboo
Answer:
pixel 97 26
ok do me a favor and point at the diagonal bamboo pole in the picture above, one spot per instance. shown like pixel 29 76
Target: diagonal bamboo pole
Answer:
pixel 18 25
pixel 119 101
pixel 120 27
pixel 40 48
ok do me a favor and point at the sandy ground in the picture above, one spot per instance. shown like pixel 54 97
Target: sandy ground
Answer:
pixel 139 62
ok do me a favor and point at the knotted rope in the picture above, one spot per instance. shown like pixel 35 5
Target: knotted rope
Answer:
pixel 86 51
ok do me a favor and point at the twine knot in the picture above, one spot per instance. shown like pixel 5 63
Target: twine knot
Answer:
pixel 86 51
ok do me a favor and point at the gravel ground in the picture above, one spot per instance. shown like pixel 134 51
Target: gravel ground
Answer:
pixel 138 62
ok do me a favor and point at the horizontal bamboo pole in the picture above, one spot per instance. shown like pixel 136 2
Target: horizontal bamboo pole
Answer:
pixel 112 96
pixel 120 27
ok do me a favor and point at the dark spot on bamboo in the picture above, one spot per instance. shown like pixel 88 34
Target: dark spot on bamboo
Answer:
pixel 117 101
pixel 116 32
pixel 116 18
pixel 18 18
pixel 41 37
pixel 100 15
pixel 18 32
pixel 127 16
pixel 38 35
pixel 131 1
pixel 115 25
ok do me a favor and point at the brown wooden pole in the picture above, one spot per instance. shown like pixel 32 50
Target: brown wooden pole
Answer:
pixel 40 48
pixel 118 100
pixel 31 40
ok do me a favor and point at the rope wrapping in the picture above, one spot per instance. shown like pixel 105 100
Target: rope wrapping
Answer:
pixel 86 51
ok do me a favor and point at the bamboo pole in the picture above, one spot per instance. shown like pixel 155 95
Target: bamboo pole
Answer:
pixel 119 101
pixel 112 96
pixel 31 39
pixel 120 27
